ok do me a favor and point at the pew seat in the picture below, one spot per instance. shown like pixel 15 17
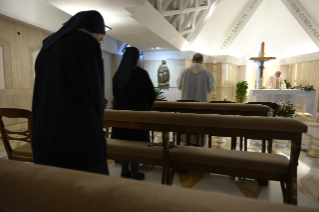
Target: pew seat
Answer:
pixel 23 151
pixel 44 188
pixel 132 148
pixel 253 161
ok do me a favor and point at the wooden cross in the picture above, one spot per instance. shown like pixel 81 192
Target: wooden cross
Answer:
pixel 280 85
pixel 261 59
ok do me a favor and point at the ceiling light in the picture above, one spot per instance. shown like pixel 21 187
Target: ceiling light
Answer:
pixel 156 47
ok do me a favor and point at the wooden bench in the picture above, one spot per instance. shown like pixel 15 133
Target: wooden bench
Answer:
pixel 216 108
pixel 30 187
pixel 234 163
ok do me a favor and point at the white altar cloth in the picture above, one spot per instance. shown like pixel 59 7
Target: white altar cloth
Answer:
pixel 307 98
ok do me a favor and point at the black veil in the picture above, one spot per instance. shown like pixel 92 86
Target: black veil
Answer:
pixel 128 64
pixel 90 20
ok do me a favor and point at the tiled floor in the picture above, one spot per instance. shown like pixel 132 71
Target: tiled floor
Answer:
pixel 308 170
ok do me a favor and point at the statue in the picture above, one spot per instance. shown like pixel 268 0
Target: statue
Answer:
pixel 163 75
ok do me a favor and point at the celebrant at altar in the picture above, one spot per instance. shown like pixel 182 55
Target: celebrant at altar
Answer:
pixel 275 81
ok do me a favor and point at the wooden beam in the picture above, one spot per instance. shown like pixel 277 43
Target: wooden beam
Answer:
pixel 159 6
pixel 185 3
pixel 175 19
pixel 165 5
pixel 187 20
pixel 262 58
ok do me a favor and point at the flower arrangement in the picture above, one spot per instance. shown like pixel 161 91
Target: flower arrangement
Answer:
pixel 159 93
pixel 286 109
pixel 308 88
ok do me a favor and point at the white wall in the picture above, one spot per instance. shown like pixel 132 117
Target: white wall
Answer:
pixel 35 12
pixel 112 45
pixel 34 58
pixel 2 82
pixel 107 59
pixel 251 76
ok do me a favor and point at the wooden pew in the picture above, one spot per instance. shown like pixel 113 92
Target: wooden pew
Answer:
pixel 29 187
pixel 216 108
pixel 234 163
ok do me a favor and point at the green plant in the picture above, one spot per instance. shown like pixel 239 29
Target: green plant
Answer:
pixel 288 84
pixel 159 93
pixel 241 91
pixel 285 110
pixel 263 87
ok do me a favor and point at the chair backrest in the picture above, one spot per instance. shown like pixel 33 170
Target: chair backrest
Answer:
pixel 221 102
pixel 6 135
pixel 187 101
pixel 217 108
pixel 112 102
pixel 272 105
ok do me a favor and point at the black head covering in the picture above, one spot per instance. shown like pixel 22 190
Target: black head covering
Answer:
pixel 128 64
pixel 89 20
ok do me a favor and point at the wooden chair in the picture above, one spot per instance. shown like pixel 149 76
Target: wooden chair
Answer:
pixel 187 101
pixel 24 152
pixel 105 101
pixel 274 107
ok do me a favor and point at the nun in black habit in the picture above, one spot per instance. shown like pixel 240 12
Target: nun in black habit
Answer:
pixel 68 99
pixel 132 90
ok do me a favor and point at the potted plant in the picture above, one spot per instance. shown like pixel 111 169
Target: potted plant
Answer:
pixel 159 93
pixel 241 91
pixel 288 84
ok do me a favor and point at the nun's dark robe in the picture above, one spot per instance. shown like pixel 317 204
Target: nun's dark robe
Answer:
pixel 68 104
pixel 139 95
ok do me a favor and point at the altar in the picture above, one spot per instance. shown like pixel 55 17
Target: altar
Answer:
pixel 307 98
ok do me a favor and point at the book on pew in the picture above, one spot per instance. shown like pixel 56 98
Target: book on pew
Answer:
pixel 160 145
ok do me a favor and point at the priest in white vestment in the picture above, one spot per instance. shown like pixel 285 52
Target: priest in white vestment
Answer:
pixel 196 82
pixel 275 81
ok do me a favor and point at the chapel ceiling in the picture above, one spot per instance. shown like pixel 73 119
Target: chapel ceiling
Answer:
pixel 212 27
pixel 183 15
